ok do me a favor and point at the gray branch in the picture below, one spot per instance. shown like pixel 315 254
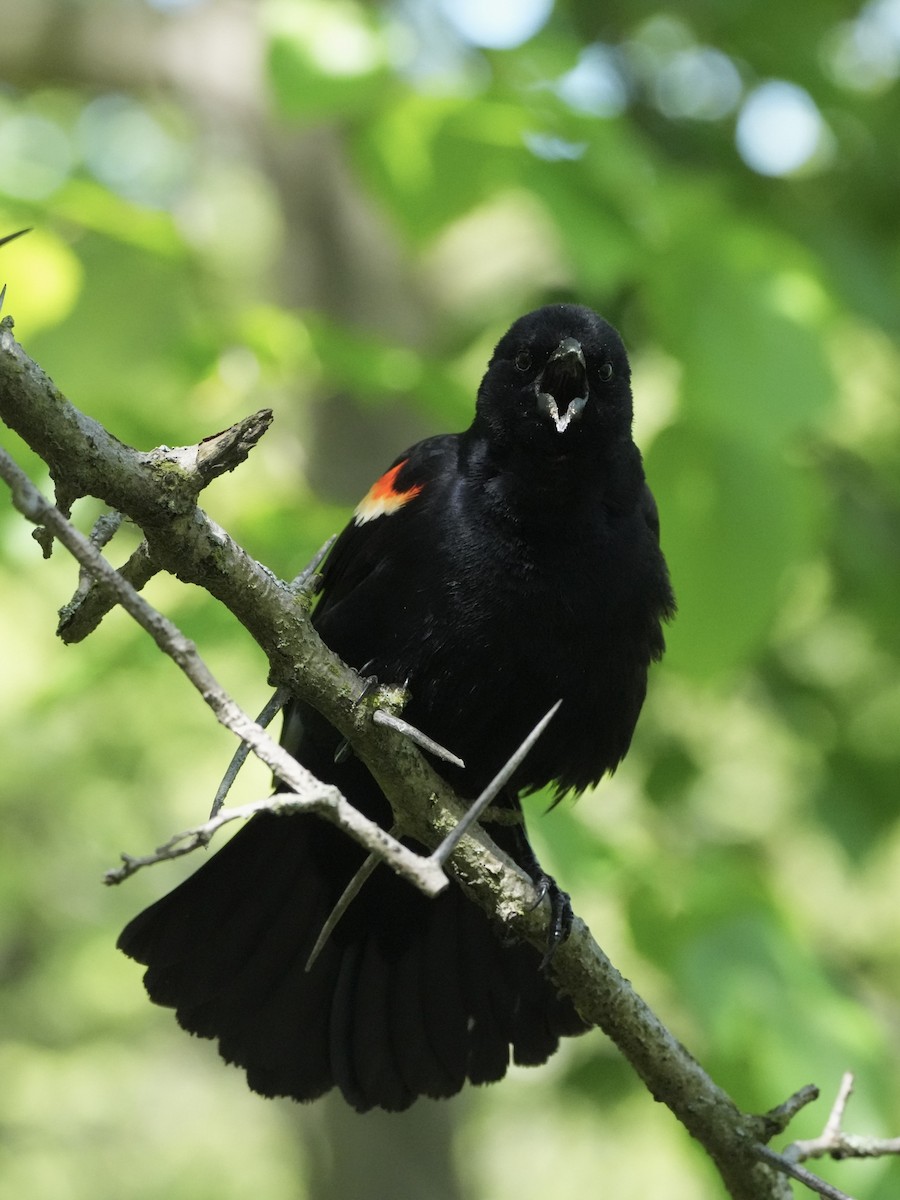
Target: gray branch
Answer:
pixel 834 1142
pixel 94 599
pixel 316 797
pixel 306 792
pixel 158 492
pixel 794 1171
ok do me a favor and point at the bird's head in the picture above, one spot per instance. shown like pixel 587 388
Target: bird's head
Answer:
pixel 559 378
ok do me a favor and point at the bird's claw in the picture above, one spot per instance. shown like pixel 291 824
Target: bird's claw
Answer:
pixel 561 916
pixel 367 685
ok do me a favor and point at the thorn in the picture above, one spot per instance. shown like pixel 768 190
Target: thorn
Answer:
pixel 306 579
pixel 265 718
pixel 12 236
pixel 836 1116
pixel 9 238
pixel 349 894
pixel 380 717
pixel 368 684
pixel 500 780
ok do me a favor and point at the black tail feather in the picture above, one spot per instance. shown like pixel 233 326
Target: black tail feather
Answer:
pixel 408 997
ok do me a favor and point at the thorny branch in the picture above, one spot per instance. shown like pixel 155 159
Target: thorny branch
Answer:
pixel 793 1171
pixel 309 793
pixel 158 492
pixel 270 711
pixel 834 1142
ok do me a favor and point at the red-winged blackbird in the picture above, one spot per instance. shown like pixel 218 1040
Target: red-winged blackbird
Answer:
pixel 492 572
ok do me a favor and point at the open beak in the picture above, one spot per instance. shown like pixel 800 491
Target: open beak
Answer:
pixel 562 387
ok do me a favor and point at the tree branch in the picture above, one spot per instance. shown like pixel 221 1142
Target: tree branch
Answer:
pixel 158 491
pixel 793 1171
pixel 93 599
pixel 306 792
pixel 316 798
pixel 834 1142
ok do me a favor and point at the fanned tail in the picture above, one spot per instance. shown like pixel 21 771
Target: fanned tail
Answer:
pixel 409 996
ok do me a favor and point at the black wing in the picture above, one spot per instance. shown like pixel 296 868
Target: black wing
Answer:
pixel 386 537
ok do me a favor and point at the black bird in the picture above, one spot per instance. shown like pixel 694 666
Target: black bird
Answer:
pixel 493 572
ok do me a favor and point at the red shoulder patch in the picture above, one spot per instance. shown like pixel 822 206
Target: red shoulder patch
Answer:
pixel 383 497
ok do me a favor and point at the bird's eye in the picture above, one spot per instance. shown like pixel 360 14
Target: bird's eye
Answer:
pixel 606 371
pixel 523 360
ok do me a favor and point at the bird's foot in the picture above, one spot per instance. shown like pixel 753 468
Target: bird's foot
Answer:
pixel 367 685
pixel 561 915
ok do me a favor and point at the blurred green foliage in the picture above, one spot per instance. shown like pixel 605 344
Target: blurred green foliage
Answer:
pixel 334 209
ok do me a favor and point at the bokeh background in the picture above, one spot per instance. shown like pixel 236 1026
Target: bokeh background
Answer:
pixel 334 208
